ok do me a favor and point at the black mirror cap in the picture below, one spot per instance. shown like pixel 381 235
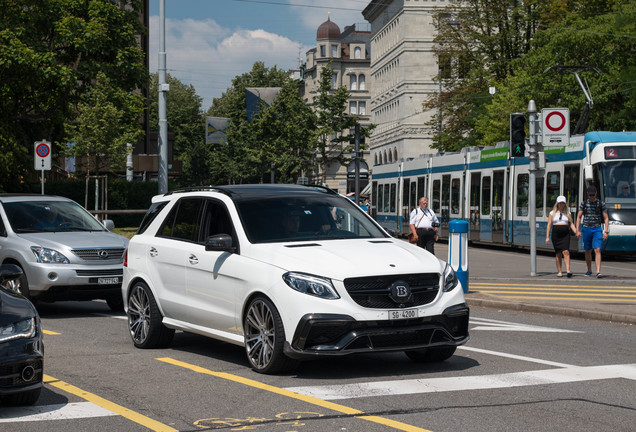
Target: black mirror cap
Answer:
pixel 220 243
pixel 9 272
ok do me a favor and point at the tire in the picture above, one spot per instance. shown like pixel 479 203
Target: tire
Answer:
pixel 145 320
pixel 264 338
pixel 115 303
pixel 25 398
pixel 431 355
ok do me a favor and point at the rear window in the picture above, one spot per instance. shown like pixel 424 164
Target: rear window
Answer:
pixel 150 215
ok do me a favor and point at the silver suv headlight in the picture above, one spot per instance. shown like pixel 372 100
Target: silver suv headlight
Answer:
pixel 21 329
pixel 450 278
pixel 312 285
pixel 49 256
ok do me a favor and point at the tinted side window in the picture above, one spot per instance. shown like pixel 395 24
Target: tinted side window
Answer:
pixel 184 221
pixel 150 216
pixel 216 220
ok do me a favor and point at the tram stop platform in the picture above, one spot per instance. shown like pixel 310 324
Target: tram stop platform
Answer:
pixel 501 278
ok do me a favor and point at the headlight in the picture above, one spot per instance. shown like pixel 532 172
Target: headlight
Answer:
pixel 21 329
pixel 48 256
pixel 312 285
pixel 450 278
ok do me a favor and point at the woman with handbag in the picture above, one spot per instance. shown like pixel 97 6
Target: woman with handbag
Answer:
pixel 424 226
pixel 560 222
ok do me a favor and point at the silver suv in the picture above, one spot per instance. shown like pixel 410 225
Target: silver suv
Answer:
pixel 63 250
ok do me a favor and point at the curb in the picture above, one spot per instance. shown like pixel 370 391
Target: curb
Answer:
pixel 578 313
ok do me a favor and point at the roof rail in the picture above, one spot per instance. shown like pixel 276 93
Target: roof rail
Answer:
pixel 194 189
pixel 325 188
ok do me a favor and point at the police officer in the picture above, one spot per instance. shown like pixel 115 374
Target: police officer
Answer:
pixel 424 226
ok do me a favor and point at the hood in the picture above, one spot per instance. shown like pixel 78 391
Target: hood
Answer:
pixel 340 259
pixel 76 239
pixel 14 307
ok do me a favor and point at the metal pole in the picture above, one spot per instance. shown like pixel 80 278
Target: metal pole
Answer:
pixel 163 91
pixel 357 163
pixel 439 112
pixel 532 199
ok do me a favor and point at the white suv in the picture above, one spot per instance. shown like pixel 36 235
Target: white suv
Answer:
pixel 289 272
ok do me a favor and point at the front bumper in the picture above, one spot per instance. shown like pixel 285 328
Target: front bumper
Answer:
pixel 336 335
pixel 73 282
pixel 21 365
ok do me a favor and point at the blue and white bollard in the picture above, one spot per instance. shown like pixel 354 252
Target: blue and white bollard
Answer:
pixel 458 250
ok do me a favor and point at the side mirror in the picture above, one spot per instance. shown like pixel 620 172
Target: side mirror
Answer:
pixel 109 224
pixel 220 243
pixel 588 173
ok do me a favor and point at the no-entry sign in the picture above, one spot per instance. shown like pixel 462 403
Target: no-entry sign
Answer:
pixel 555 127
pixel 42 155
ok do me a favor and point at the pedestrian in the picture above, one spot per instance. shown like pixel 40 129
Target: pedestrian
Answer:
pixel 560 223
pixel 594 213
pixel 424 226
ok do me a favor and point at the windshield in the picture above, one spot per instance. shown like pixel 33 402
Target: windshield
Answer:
pixel 304 219
pixel 619 180
pixel 48 216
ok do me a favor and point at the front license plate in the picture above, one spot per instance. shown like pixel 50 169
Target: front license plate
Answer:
pixel 402 314
pixel 107 281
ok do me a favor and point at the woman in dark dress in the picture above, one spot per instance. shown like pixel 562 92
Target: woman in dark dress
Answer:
pixel 560 223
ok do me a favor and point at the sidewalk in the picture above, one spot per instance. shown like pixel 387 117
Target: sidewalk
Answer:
pixel 502 272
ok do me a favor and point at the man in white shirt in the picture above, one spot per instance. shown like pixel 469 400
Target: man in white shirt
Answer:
pixel 424 226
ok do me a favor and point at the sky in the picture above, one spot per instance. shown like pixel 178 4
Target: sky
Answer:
pixel 209 42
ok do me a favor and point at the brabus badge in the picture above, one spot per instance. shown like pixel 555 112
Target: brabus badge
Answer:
pixel 400 292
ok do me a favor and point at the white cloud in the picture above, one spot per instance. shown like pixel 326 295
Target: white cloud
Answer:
pixel 208 56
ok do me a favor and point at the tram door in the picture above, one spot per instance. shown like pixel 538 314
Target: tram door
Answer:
pixel 498 188
pixel 473 205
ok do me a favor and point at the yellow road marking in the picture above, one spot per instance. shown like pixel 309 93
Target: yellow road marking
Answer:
pixel 567 298
pixel 49 332
pixel 309 399
pixel 111 406
pixel 578 294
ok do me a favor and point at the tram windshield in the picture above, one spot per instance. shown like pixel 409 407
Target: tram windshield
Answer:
pixel 619 180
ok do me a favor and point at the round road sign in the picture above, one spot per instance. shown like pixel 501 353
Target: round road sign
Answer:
pixel 43 150
pixel 555 121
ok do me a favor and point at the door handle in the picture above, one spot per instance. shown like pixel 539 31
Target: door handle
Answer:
pixel 153 252
pixel 193 259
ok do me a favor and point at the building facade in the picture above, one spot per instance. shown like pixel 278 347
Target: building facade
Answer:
pixel 350 57
pixel 404 72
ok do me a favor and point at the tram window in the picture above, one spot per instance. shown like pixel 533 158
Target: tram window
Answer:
pixel 571 186
pixel 523 181
pixel 421 189
pixel 539 196
pixel 393 196
pixel 413 200
pixel 436 200
pixel 374 199
pixel 485 196
pixel 552 188
pixel 385 199
pixel 455 196
pixel 475 197
pixel 445 197
pixel 405 194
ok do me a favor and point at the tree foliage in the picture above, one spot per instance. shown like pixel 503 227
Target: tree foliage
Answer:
pixel 50 54
pixel 107 120
pixel 511 45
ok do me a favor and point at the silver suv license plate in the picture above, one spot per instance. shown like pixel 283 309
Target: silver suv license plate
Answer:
pixel 402 314
pixel 107 281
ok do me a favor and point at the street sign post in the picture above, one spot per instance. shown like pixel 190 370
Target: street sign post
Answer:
pixel 42 157
pixel 555 127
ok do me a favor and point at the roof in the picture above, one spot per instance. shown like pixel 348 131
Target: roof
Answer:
pixel 328 30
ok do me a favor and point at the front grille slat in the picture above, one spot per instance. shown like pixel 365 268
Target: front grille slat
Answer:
pixel 89 273
pixel 100 254
pixel 374 291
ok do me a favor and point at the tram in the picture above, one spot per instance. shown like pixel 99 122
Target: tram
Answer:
pixel 489 189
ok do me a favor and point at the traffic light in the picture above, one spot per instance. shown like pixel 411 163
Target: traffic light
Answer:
pixel 517 135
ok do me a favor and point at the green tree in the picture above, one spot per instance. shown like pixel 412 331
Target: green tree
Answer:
pixel 186 120
pixel 239 160
pixel 334 124
pixel 107 120
pixel 50 54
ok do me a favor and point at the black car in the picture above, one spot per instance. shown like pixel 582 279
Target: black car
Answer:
pixel 21 346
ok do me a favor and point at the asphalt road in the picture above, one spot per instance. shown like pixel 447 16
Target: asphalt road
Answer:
pixel 521 371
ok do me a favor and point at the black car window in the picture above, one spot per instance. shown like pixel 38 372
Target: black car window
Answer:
pixel 216 220
pixel 150 216
pixel 184 221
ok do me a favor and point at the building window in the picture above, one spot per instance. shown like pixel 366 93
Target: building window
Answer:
pixel 334 51
pixel 352 108
pixel 357 53
pixel 323 51
pixel 361 82
pixel 334 80
pixel 362 108
pixel 353 83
